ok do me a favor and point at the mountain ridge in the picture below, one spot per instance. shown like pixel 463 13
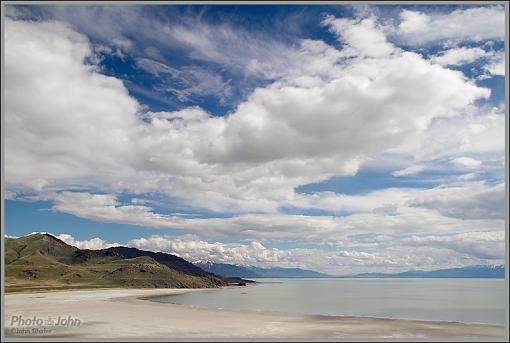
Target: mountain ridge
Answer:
pixel 230 270
pixel 42 261
pixel 468 272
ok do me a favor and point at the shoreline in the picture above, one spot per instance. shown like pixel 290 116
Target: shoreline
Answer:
pixel 283 313
pixel 129 313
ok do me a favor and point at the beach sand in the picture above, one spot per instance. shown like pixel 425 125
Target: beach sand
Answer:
pixel 123 313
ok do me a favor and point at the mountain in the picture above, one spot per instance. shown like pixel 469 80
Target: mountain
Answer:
pixel 288 273
pixel 227 270
pixel 231 270
pixel 44 261
pixel 471 272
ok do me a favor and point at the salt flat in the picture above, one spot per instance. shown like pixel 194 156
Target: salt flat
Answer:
pixel 124 313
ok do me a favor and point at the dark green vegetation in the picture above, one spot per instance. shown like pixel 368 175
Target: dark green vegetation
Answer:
pixel 42 261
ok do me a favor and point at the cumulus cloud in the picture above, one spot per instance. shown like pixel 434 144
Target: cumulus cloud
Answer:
pixel 459 208
pixel 284 135
pixel 82 139
pixel 363 37
pixel 493 61
pixel 73 112
pixel 478 134
pixel 92 244
pixel 458 56
pixel 471 24
pixel 256 254
pixel 236 253
pixel 395 255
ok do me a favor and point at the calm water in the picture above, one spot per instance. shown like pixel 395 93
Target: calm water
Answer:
pixel 463 300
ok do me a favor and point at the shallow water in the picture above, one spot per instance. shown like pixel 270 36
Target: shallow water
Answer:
pixel 462 300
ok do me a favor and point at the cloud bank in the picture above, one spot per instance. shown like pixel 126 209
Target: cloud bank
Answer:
pixel 80 139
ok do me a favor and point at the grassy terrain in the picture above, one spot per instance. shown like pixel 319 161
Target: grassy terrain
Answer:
pixel 43 262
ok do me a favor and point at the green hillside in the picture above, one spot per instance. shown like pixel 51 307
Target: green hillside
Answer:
pixel 41 261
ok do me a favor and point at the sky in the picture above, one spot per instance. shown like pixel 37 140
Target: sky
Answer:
pixel 342 139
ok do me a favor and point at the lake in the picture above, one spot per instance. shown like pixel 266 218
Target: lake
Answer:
pixel 462 300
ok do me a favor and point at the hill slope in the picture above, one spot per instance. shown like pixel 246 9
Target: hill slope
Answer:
pixel 43 261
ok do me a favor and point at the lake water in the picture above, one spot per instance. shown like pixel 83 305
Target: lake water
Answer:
pixel 462 300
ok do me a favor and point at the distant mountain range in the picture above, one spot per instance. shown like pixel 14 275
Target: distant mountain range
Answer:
pixel 231 270
pixel 42 261
pixel 471 272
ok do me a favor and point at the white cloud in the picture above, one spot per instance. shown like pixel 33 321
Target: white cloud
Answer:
pixel 413 21
pixel 467 162
pixel 123 43
pixel 468 176
pixel 461 208
pixel 477 202
pixel 73 113
pixel 154 53
pixel 253 253
pixel 254 53
pixel 105 207
pixel 471 24
pixel 188 83
pixel 395 255
pixel 485 245
pixel 497 64
pixel 409 171
pixel 156 68
pixel 362 36
pixel 92 244
pixel 326 112
pixel 244 51
pixel 457 56
pixel 479 133
pixel 284 135
pixel 8 195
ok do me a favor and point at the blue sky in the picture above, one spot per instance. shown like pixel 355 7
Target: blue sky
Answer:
pixel 338 138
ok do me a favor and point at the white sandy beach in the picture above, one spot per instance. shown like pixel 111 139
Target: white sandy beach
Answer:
pixel 120 313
